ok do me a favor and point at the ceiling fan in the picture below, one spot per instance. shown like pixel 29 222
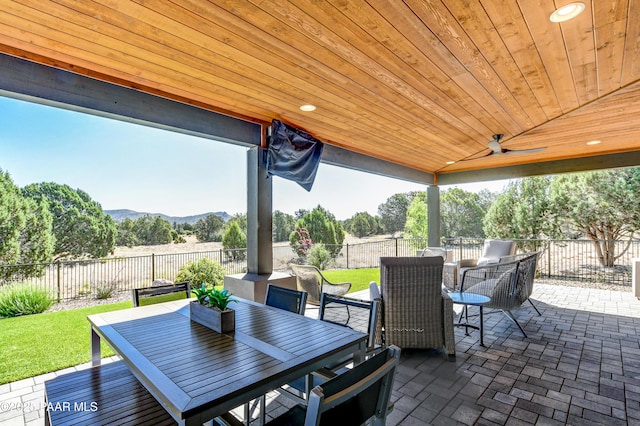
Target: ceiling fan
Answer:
pixel 497 149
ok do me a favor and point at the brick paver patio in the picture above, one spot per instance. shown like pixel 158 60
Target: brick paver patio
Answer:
pixel 579 365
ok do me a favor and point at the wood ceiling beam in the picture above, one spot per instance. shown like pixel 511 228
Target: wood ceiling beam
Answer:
pixel 29 81
pixel 584 164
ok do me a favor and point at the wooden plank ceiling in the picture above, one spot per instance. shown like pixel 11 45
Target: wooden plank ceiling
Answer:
pixel 415 82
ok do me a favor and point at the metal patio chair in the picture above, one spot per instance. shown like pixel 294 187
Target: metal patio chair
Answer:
pixel 310 279
pixel 508 284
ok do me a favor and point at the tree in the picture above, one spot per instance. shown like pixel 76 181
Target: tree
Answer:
pixel 159 232
pixel 126 233
pixel 360 226
pixel 241 220
pixel 322 227
pixel 523 212
pixel 150 231
pixel 233 240
pixel 80 226
pixel 604 205
pixel 417 223
pixel 283 225
pixel 300 213
pixel 208 229
pixel 393 212
pixel 147 230
pixel 183 228
pixel 363 224
pixel 177 238
pixel 26 237
pixel 485 199
pixel 461 214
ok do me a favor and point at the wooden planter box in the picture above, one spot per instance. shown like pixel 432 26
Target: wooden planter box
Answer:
pixel 220 321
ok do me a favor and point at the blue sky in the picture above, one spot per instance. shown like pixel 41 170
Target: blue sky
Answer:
pixel 128 166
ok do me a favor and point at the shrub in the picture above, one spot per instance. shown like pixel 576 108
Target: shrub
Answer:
pixel 20 299
pixel 319 256
pixel 104 291
pixel 204 271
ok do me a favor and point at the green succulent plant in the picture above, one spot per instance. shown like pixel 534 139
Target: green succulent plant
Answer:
pixel 213 297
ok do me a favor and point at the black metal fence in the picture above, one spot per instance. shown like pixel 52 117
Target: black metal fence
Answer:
pixel 89 278
pixel 575 260
pixel 571 260
pixel 567 260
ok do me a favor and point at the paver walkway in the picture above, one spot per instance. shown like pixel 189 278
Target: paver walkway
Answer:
pixel 580 365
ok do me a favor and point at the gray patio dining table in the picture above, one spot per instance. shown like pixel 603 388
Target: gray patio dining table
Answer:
pixel 198 374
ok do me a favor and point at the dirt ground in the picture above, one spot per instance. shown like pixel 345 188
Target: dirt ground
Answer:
pixel 193 245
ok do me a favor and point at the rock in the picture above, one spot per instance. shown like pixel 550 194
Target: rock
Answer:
pixel 160 282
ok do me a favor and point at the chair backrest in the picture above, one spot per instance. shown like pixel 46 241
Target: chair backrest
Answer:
pixel 159 294
pixel 308 279
pixel 374 294
pixel 286 299
pixel 526 275
pixel 509 284
pixel 359 315
pixel 447 255
pixel 374 291
pixel 412 301
pixel 357 395
pixel 497 281
pixel 495 249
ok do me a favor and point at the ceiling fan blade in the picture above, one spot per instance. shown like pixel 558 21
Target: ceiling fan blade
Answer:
pixel 477 158
pixel 523 151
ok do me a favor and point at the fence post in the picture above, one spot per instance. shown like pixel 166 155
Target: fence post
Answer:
pixel 347 255
pixel 153 267
pixel 58 279
pixel 396 247
pixel 460 245
pixel 549 259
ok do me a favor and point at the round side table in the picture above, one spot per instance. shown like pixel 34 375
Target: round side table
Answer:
pixel 470 299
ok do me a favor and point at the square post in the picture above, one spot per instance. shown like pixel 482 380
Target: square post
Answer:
pixel 259 214
pixel 433 211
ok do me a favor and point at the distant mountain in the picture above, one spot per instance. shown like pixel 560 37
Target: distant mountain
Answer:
pixel 122 214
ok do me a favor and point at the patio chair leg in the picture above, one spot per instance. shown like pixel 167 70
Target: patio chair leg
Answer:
pixel 534 307
pixel 250 407
pixel 263 410
pixel 513 318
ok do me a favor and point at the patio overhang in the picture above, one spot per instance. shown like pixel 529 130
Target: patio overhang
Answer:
pixel 422 85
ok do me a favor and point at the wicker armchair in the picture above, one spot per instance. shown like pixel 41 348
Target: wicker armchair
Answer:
pixel 417 312
pixel 492 251
pixel 509 284
pixel 310 279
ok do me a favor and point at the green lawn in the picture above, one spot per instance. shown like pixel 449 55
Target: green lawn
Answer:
pixel 359 278
pixel 38 344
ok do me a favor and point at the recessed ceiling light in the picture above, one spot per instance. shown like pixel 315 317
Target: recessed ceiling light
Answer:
pixel 566 12
pixel 593 142
pixel 450 162
pixel 308 107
